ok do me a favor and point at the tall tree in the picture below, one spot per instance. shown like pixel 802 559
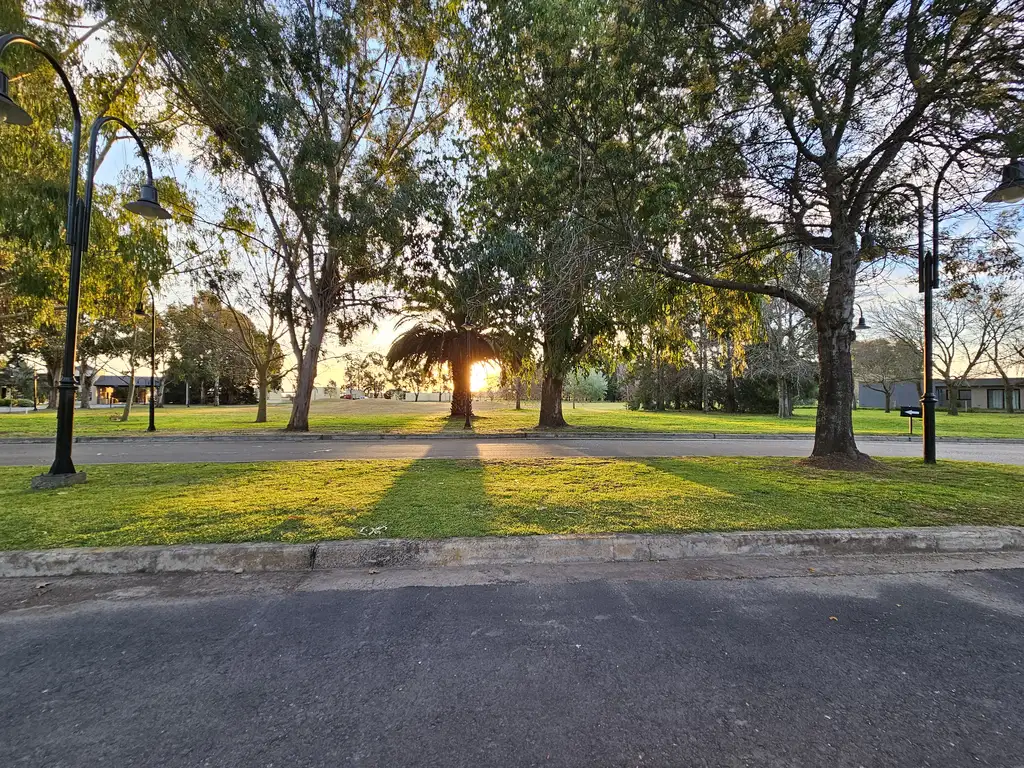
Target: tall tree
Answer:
pixel 698 114
pixel 319 108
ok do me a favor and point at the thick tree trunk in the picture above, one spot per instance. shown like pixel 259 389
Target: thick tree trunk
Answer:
pixel 888 402
pixel 833 432
pixel 202 392
pixel 551 402
pixel 216 389
pixel 461 399
pixel 519 395
pixel 261 408
pixel 299 420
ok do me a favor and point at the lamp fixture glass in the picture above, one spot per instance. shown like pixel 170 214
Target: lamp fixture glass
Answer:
pixel 140 311
pixel 10 112
pixel 1011 188
pixel 148 205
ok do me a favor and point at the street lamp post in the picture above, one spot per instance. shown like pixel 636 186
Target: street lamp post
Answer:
pixel 1010 190
pixel 62 471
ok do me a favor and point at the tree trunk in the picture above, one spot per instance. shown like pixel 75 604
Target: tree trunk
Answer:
pixel 417 398
pixel 202 392
pixel 888 402
pixel 131 381
pixel 519 395
pixel 216 389
pixel 731 405
pixel 833 430
pixel 187 393
pixel 551 402
pixel 261 408
pixel 299 419
pixel 461 373
pixel 952 398
pixel 131 396
pixel 52 377
pixel 783 387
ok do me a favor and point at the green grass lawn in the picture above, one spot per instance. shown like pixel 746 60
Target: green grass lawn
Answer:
pixel 428 417
pixel 429 498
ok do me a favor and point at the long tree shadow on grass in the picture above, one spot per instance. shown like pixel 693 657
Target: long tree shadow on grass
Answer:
pixel 432 498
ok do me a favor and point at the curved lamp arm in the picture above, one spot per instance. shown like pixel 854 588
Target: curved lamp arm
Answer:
pixel 76 131
pixel 90 176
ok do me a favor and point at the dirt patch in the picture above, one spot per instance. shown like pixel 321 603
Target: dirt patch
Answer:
pixel 840 462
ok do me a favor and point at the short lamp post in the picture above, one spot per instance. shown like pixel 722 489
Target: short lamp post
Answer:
pixel 1010 190
pixel 62 471
pixel 141 312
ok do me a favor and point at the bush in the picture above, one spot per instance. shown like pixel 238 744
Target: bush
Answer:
pixel 23 403
pixel 4 402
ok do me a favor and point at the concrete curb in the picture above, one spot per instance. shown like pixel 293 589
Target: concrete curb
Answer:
pixel 512 550
pixel 269 437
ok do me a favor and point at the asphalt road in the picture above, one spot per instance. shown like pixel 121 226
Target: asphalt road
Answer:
pixel 223 450
pixel 921 669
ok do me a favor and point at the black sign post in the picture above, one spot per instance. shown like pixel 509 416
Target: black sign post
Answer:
pixel 911 412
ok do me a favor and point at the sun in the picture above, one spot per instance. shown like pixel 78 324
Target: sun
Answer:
pixel 483 375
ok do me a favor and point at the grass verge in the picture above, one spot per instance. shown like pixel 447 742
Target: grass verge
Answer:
pixel 435 498
pixel 356 416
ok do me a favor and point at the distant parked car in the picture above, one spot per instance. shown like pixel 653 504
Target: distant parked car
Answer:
pixel 346 396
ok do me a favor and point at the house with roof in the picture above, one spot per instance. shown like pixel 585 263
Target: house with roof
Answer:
pixel 981 394
pixel 112 389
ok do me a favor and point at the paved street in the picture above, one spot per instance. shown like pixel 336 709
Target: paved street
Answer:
pixel 631 668
pixel 224 450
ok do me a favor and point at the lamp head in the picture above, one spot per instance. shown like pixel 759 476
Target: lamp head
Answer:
pixel 148 205
pixel 862 325
pixel 10 112
pixel 1011 188
pixel 140 311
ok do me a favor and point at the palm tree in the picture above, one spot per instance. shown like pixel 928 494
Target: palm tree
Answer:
pixel 450 341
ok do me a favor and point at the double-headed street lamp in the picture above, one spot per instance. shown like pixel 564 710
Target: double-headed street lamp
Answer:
pixel 1010 190
pixel 62 471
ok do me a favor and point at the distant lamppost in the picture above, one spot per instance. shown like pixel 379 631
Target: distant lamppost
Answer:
pixel 1010 190
pixel 62 471
pixel 140 311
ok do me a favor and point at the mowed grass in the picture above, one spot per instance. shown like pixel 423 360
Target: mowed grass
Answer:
pixel 389 416
pixel 432 498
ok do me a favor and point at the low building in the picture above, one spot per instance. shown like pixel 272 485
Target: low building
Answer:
pixel 108 390
pixel 977 394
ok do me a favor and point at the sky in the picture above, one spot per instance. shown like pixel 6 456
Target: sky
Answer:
pixel 180 164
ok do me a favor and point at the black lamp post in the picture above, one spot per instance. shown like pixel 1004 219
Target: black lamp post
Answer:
pixel 1010 190
pixel 62 471
pixel 141 312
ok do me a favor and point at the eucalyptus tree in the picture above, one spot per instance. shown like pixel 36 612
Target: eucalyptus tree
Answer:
pixel 318 109
pixel 728 132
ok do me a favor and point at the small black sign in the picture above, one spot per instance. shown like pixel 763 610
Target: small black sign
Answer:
pixel 911 411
